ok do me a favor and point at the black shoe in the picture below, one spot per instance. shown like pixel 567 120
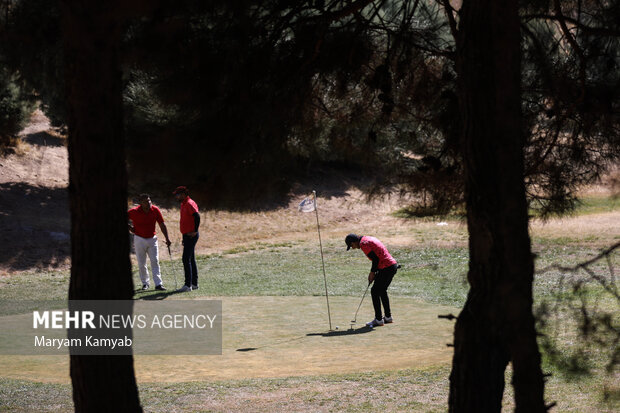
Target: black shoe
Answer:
pixel 194 287
pixel 145 287
pixel 160 288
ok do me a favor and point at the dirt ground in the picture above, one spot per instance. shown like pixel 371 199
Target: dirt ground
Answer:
pixel 35 220
pixel 34 203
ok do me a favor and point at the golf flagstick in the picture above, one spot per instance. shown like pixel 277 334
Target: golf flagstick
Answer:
pixel 173 269
pixel 308 205
pixel 322 259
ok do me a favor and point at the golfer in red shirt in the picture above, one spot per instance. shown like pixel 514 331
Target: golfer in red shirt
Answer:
pixel 383 269
pixel 144 217
pixel 189 223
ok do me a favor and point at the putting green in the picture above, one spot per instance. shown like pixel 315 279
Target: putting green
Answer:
pixel 287 336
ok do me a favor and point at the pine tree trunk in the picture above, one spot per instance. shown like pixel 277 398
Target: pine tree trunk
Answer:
pixel 100 266
pixel 496 326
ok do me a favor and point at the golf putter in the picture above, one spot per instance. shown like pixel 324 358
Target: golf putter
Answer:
pixel 176 287
pixel 358 307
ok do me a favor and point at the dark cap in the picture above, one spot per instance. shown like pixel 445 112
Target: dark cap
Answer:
pixel 351 238
pixel 179 190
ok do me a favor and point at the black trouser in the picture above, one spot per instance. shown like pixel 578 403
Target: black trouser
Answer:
pixel 383 278
pixel 189 260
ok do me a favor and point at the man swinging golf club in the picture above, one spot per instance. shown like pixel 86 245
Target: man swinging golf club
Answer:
pixel 384 266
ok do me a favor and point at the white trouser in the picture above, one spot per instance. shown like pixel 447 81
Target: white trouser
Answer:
pixel 144 247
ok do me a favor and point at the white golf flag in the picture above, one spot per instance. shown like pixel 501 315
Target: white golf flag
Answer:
pixel 307 205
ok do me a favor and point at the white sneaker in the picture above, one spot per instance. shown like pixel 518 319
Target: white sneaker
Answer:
pixel 184 289
pixel 388 320
pixel 375 323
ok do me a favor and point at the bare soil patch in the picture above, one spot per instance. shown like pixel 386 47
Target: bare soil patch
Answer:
pixel 34 206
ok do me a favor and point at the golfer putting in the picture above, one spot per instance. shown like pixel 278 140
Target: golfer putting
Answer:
pixel 383 269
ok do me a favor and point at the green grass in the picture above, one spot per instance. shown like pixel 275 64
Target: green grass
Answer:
pixel 30 396
pixel 597 205
pixel 256 247
pixel 346 393
pixel 589 205
pixel 424 390
pixel 434 275
pixel 426 214
pixel 39 285
pixel 395 391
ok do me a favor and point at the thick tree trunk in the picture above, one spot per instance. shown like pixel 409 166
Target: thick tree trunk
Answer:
pixel 496 326
pixel 98 193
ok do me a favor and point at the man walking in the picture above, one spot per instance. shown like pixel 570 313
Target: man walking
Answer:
pixel 143 218
pixel 383 269
pixel 189 223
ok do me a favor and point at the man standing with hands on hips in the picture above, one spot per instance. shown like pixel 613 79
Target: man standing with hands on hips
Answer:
pixel 143 218
pixel 189 223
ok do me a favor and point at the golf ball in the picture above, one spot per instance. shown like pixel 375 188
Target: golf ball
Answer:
pixel 336 327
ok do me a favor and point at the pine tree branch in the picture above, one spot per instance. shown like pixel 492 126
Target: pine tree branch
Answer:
pixel 450 14
pixel 598 31
pixel 573 42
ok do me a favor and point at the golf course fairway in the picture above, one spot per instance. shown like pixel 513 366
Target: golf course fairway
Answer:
pixel 267 336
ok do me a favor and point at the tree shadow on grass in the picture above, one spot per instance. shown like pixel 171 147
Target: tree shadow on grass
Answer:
pixel 277 343
pixel 333 333
pixel 34 227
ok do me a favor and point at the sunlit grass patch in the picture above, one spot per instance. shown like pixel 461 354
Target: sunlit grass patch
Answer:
pixel 428 213
pixel 291 270
pixel 257 246
pixel 35 285
pixel 598 204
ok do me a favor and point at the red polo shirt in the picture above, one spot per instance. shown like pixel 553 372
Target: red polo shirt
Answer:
pixel 144 222
pixel 368 244
pixel 188 208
